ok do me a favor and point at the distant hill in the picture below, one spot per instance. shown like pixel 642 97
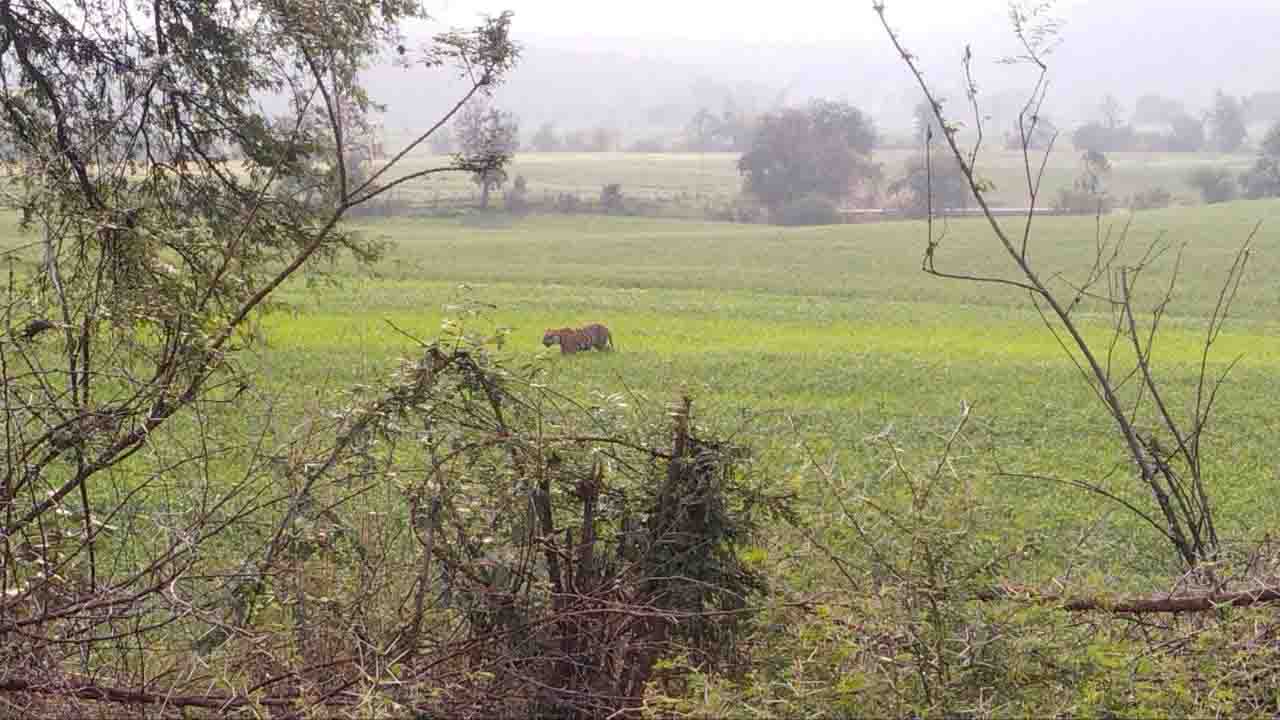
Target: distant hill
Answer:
pixel 1126 48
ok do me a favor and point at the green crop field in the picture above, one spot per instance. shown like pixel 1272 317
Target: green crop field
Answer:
pixel 827 335
pixel 825 350
pixel 824 335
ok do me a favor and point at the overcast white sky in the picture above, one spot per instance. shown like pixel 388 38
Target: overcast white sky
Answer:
pixel 734 21
pixel 1186 49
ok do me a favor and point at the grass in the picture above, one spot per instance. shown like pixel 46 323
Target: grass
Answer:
pixel 821 335
pixel 828 335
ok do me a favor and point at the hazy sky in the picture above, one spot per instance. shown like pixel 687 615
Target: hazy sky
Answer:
pixel 600 61
pixel 734 21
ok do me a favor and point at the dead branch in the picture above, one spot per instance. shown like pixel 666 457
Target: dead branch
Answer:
pixel 1137 605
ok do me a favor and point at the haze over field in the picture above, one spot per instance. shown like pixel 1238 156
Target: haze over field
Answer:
pixel 650 65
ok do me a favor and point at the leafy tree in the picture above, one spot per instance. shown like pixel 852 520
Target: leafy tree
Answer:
pixel 1101 138
pixel 1111 111
pixel 1226 121
pixel 1263 179
pixel 1214 184
pixel 1087 193
pixel 736 129
pixel 822 149
pixel 940 179
pixel 597 139
pixel 546 139
pixel 702 131
pixel 1094 166
pixel 1186 134
pixel 1040 129
pixel 488 139
pixel 156 259
pixel 707 132
pixel 517 199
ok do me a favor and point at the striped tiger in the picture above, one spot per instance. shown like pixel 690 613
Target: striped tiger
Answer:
pixel 601 338
pixel 571 340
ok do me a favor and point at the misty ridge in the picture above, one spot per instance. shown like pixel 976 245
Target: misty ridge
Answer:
pixel 642 88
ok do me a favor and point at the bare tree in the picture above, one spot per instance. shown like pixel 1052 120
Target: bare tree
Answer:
pixel 1168 463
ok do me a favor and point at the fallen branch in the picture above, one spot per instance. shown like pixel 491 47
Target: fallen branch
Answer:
pixel 86 690
pixel 1158 604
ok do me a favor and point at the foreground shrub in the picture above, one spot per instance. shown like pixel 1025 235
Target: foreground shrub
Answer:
pixel 917 618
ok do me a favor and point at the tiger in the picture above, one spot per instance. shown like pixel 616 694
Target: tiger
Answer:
pixel 571 340
pixel 601 338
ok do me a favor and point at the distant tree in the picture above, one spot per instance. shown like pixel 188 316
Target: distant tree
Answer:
pixel 611 198
pixel 604 139
pixel 1111 111
pixel 1271 142
pixel 1088 193
pixel 1101 138
pixel 940 179
pixel 1262 108
pixel 924 123
pixel 1094 167
pixel 546 139
pixel 488 139
pixel 517 198
pixel 441 141
pixel 823 148
pixel 729 131
pixel 737 128
pixel 1215 184
pixel 576 141
pixel 702 131
pixel 1263 179
pixel 648 145
pixel 1226 120
pixel 1042 130
pixel 1152 109
pixel 1186 134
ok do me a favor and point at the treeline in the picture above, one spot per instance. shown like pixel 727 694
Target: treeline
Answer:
pixel 1161 124
pixel 1156 124
pixel 728 131
pixel 810 164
